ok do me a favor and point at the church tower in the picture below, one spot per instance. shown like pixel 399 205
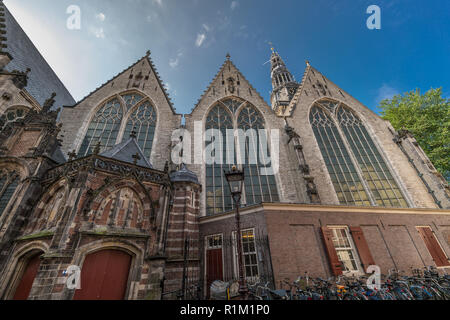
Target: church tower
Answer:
pixel 283 84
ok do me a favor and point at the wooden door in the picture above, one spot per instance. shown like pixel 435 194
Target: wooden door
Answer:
pixel 104 276
pixel 214 267
pixel 26 282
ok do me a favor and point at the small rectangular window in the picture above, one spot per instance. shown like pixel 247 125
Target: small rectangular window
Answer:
pixel 345 249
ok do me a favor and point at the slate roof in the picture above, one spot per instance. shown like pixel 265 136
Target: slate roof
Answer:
pixel 184 175
pixel 42 80
pixel 125 151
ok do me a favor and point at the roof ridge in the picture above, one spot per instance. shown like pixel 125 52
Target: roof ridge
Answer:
pixel 152 66
pixel 217 75
pixel 142 155
pixel 300 88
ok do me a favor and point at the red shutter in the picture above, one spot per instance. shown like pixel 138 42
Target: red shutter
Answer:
pixel 433 246
pixel 363 249
pixel 335 264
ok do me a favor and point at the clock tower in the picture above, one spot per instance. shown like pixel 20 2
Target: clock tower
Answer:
pixel 283 84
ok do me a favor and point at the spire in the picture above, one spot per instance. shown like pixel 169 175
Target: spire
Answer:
pixel 279 72
pixel 283 83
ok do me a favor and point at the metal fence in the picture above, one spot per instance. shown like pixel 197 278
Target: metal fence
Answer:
pixel 206 262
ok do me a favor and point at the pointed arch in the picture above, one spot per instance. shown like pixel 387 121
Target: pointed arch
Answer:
pixel 258 188
pixel 49 211
pixel 375 171
pixel 104 127
pixel 218 197
pixel 121 208
pixel 143 119
pixel 359 173
pixel 12 114
pixel 233 113
pixel 344 176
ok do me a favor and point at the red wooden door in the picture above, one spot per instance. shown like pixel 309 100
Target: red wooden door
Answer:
pixel 104 276
pixel 24 288
pixel 214 267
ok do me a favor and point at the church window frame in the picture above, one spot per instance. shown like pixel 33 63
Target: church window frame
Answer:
pixel 254 187
pixel 334 111
pixel 128 104
pixel 9 184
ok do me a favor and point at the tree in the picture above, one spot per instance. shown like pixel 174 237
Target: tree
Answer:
pixel 427 117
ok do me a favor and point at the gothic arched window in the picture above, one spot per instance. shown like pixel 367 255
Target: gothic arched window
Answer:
pixel 375 171
pixel 9 180
pixel 345 178
pixel 122 208
pixel 104 127
pixel 13 114
pixel 218 197
pixel 257 187
pixel 143 121
pixel 367 182
pixel 117 119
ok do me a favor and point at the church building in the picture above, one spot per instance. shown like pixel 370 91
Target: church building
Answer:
pixel 91 188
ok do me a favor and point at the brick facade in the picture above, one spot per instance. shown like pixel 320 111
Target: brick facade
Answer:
pixel 65 209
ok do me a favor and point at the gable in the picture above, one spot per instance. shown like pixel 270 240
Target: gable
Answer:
pixel 230 82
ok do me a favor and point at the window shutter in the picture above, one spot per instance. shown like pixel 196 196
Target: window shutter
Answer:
pixel 336 266
pixel 363 249
pixel 433 246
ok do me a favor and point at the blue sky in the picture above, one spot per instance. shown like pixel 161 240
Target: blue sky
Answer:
pixel 190 38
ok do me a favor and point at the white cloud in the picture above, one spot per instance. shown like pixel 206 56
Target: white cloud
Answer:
pixel 101 17
pixel 158 2
pixel 206 27
pixel 200 39
pixel 386 92
pixel 173 63
pixel 98 32
pixel 234 5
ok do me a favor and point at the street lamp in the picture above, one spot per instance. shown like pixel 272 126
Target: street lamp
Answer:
pixel 235 179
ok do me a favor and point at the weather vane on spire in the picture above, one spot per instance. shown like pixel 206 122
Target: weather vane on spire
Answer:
pixel 271 47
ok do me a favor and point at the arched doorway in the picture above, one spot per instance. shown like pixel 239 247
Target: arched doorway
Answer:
pixel 104 276
pixel 31 267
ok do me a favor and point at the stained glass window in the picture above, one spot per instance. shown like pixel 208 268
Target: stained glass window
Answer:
pixel 375 171
pixel 218 197
pixel 380 187
pixel 258 188
pixel 143 121
pixel 134 109
pixel 346 181
pixel 8 184
pixel 13 114
pixel 104 127
pixel 131 99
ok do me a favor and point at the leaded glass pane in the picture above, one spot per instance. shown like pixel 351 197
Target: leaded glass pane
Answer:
pixel 218 197
pixel 104 127
pixel 11 115
pixel 8 185
pixel 375 171
pixel 232 104
pixel 131 99
pixel 346 182
pixel 143 121
pixel 256 184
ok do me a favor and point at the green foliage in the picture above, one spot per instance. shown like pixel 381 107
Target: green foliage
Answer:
pixel 427 117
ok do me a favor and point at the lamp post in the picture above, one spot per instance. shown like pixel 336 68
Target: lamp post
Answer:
pixel 235 179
